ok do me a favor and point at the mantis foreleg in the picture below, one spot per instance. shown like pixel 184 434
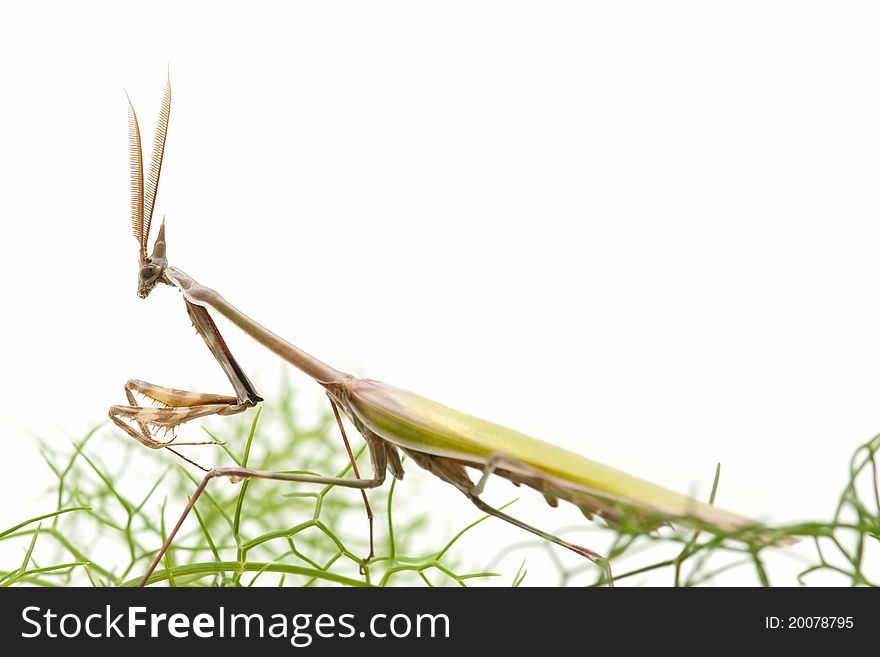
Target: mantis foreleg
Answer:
pixel 177 407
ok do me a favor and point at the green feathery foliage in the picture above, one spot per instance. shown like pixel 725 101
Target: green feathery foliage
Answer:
pixel 105 527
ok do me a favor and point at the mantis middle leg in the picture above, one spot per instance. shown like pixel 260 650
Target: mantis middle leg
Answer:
pixel 236 474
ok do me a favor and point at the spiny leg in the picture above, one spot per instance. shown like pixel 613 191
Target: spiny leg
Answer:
pixel 237 474
pixel 595 557
pixel 198 405
pixel 178 407
pixel 495 461
pixel 133 402
pixel 454 472
pixel 492 464
pixel 553 489
pixel 357 474
pixel 149 441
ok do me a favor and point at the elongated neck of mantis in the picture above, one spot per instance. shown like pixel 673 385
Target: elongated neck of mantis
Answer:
pixel 198 294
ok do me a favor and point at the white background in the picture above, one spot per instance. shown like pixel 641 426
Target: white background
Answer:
pixel 647 232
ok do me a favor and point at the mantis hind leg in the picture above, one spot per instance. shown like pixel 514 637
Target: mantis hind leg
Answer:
pixel 595 557
pixel 552 488
pixel 454 472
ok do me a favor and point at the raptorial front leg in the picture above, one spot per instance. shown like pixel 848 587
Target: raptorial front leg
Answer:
pixel 176 407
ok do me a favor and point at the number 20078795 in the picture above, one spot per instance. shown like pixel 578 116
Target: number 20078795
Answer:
pixel 808 622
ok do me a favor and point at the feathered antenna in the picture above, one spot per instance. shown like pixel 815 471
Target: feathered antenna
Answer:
pixel 156 160
pixel 143 199
pixel 136 165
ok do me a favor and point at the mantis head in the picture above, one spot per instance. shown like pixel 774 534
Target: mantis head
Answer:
pixel 151 268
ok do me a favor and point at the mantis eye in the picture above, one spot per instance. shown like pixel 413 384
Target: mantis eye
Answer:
pixel 147 273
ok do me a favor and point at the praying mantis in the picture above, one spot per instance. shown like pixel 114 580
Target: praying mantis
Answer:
pixel 443 441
